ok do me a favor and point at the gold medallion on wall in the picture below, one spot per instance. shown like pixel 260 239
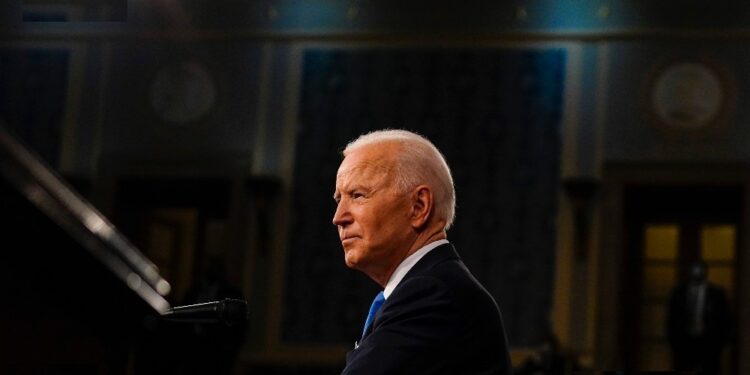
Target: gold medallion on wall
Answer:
pixel 689 98
pixel 183 93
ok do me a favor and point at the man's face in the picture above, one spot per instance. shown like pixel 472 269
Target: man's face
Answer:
pixel 372 217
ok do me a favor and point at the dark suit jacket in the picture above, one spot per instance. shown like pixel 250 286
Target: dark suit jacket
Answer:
pixel 717 320
pixel 438 320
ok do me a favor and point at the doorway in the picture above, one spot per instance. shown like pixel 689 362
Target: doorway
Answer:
pixel 667 229
pixel 179 223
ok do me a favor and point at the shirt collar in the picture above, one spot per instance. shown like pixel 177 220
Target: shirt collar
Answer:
pixel 407 264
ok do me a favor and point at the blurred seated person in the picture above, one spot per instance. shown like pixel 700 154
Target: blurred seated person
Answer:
pixel 548 359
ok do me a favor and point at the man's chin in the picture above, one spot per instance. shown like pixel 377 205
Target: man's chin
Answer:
pixel 351 259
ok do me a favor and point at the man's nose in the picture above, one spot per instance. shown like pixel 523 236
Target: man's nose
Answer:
pixel 341 216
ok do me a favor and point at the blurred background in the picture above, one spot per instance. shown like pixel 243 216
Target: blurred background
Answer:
pixel 598 148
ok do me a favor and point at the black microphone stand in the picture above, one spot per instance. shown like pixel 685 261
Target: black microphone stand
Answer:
pixel 228 311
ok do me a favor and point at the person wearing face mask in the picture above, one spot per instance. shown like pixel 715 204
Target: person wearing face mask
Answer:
pixel 698 323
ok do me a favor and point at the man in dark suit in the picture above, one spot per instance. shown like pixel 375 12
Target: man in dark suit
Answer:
pixel 698 323
pixel 395 202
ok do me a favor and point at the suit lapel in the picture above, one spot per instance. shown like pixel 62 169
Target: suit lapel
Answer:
pixel 434 257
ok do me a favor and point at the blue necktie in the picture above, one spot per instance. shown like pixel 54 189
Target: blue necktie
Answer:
pixel 376 303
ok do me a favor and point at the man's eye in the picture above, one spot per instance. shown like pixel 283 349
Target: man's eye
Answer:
pixel 357 195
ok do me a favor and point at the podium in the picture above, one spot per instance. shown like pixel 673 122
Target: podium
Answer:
pixel 76 294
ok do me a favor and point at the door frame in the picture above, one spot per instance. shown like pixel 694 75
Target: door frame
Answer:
pixel 656 204
pixel 612 248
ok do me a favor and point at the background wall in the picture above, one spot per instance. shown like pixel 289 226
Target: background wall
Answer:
pixel 259 98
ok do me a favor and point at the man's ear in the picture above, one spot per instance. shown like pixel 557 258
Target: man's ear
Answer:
pixel 422 205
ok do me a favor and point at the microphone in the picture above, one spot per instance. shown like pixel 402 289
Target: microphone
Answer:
pixel 229 311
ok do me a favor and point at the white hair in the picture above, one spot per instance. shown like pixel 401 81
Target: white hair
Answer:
pixel 419 162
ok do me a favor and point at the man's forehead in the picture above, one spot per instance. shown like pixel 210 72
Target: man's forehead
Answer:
pixel 361 170
pixel 364 164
